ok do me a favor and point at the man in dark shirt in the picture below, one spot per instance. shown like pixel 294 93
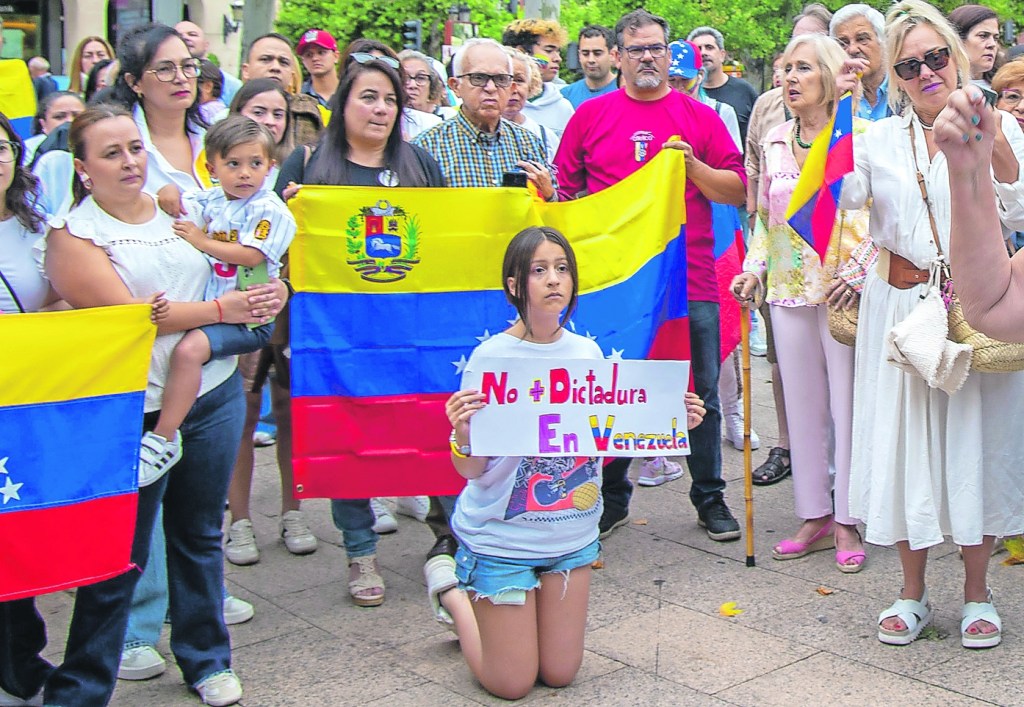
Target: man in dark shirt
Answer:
pixel 736 92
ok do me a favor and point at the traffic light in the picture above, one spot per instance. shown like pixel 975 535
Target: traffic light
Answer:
pixel 413 35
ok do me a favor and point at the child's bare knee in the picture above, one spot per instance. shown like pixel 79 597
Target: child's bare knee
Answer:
pixel 509 687
pixel 559 676
pixel 194 347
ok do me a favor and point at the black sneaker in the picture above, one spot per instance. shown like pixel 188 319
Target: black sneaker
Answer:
pixel 611 519
pixel 445 545
pixel 717 519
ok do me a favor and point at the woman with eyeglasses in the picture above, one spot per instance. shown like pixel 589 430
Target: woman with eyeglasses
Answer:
pixel 423 85
pixel 1008 83
pixel 978 27
pixel 526 83
pixel 362 146
pixel 927 464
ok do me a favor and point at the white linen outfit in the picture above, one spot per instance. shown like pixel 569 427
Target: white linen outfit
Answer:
pixel 925 464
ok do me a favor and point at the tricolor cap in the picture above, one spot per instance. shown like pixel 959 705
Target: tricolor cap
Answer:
pixel 686 60
pixel 316 37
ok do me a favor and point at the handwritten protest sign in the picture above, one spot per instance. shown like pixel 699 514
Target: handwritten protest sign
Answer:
pixel 579 407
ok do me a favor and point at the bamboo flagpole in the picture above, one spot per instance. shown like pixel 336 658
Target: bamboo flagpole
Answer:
pixel 748 471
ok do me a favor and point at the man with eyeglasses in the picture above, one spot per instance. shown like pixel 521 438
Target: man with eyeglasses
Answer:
pixel 319 54
pixel 270 56
pixel 199 47
pixel 860 30
pixel 478 146
pixel 609 138
pixel 717 84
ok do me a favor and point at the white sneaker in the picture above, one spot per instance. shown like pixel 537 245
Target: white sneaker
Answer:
pixel 758 345
pixel 657 471
pixel 263 439
pixel 237 611
pixel 241 547
pixel 220 689
pixel 9 700
pixel 414 506
pixel 156 456
pixel 297 536
pixel 732 425
pixel 383 521
pixel 141 663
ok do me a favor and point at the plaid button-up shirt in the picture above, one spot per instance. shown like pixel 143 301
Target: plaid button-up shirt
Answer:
pixel 470 158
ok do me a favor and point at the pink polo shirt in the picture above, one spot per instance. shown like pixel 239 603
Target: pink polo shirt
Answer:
pixel 611 136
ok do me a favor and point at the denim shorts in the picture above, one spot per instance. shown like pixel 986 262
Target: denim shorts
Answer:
pixel 234 339
pixel 505 580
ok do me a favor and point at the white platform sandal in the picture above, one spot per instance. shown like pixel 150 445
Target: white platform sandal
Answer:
pixel 980 611
pixel 914 614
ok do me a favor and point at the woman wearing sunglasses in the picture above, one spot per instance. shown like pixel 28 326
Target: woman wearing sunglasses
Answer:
pixel 927 464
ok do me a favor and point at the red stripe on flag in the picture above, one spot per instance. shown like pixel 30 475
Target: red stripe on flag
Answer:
pixel 50 549
pixel 363 447
pixel 839 162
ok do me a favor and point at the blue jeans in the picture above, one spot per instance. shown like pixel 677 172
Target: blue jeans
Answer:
pixel 705 460
pixel 149 601
pixel 193 495
pixel 234 339
pixel 353 517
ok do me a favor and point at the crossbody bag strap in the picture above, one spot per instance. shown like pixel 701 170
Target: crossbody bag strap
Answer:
pixel 14 295
pixel 924 192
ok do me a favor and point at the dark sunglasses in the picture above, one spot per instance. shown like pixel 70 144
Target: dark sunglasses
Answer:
pixel 936 60
pixel 364 58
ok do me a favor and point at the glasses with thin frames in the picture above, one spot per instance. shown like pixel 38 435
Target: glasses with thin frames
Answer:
pixel 1010 97
pixel 366 58
pixel 936 60
pixel 657 51
pixel 167 71
pixel 8 151
pixel 481 80
pixel 419 79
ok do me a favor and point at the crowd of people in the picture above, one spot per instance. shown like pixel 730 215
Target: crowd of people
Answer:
pixel 157 178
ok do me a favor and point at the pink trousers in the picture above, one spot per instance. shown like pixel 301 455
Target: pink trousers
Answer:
pixel 817 374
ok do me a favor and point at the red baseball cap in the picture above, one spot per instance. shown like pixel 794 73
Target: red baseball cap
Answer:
pixel 317 37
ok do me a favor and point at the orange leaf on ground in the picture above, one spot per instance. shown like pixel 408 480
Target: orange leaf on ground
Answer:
pixel 640 521
pixel 825 591
pixel 597 565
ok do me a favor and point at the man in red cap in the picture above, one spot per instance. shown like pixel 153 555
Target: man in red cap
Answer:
pixel 319 54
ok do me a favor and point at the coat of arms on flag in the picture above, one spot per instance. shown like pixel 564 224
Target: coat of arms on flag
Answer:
pixel 383 242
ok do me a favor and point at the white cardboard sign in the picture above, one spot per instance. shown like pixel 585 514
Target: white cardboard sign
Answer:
pixel 546 407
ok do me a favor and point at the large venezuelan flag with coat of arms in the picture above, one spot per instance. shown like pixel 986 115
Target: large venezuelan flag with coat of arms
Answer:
pixel 395 287
pixel 71 395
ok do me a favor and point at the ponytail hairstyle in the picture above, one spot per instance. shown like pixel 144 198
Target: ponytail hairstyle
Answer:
pixel 23 194
pixel 76 138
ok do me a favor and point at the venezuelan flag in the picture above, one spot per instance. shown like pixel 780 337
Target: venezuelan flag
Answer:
pixel 725 222
pixel 397 286
pixel 812 208
pixel 17 96
pixel 70 423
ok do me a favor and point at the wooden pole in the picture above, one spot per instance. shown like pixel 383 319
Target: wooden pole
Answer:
pixel 748 472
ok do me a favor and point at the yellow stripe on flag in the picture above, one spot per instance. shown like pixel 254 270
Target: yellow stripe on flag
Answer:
pixel 113 344
pixel 387 240
pixel 812 174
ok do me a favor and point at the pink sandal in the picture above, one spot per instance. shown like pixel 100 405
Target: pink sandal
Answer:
pixel 791 549
pixel 851 562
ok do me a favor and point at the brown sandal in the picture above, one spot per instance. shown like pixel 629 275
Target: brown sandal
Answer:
pixel 362 587
pixel 774 469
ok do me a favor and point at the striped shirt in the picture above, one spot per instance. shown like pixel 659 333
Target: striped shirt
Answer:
pixel 471 158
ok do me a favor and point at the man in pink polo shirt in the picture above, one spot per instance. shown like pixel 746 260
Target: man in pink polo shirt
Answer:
pixel 609 138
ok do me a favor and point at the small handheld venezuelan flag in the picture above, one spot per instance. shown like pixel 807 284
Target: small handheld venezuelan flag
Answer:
pixel 812 208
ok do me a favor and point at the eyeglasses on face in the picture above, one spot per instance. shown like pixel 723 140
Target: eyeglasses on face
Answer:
pixel 8 151
pixel 419 79
pixel 936 60
pixel 365 58
pixel 480 80
pixel 657 51
pixel 1010 97
pixel 167 71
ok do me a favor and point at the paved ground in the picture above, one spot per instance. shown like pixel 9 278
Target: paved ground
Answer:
pixel 655 635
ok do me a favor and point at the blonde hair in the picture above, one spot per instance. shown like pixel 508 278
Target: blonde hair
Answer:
pixel 540 29
pixel 901 19
pixel 75 63
pixel 535 85
pixel 1012 72
pixel 830 58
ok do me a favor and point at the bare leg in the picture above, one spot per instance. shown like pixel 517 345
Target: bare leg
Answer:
pixel 508 647
pixel 914 563
pixel 459 606
pixel 241 479
pixel 976 559
pixel 281 402
pixel 183 381
pixel 561 624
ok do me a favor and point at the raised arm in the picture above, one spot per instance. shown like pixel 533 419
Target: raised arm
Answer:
pixel 989 283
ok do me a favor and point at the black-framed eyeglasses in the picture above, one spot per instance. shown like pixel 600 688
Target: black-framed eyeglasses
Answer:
pixel 657 51
pixel 936 60
pixel 481 80
pixel 8 151
pixel 419 79
pixel 168 71
pixel 366 58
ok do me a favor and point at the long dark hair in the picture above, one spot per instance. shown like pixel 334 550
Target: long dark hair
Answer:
pixel 516 265
pixel 331 167
pixel 76 138
pixel 254 87
pixel 135 51
pixel 23 193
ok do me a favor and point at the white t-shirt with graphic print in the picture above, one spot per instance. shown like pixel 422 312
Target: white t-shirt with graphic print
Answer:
pixel 531 507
